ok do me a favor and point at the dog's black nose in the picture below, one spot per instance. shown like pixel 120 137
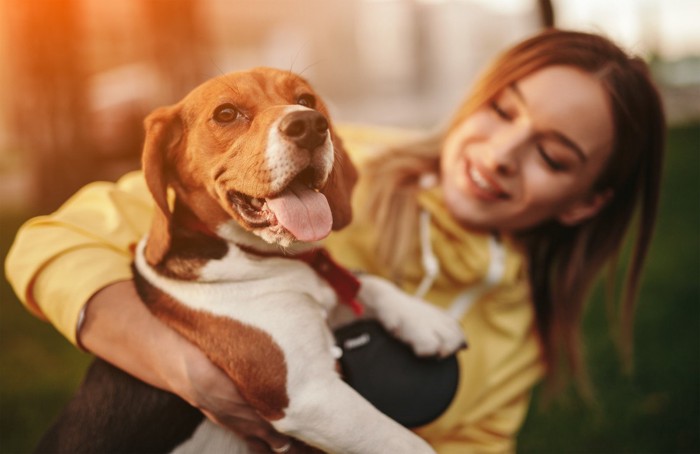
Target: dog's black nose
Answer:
pixel 307 129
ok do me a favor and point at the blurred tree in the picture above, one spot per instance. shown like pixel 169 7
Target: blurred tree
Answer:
pixel 546 13
pixel 50 103
pixel 68 141
pixel 177 44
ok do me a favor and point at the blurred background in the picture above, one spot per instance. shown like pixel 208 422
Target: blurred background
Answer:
pixel 78 76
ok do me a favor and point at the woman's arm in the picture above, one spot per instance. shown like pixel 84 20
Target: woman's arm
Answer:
pixel 75 264
pixel 120 329
pixel 57 262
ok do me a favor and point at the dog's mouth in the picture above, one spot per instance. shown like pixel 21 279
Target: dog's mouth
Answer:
pixel 300 209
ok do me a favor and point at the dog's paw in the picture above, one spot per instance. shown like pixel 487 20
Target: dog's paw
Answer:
pixel 429 330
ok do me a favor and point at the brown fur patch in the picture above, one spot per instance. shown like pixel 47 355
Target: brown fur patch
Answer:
pixel 191 246
pixel 248 355
pixel 188 253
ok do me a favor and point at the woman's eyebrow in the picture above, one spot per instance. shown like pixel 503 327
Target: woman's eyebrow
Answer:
pixel 566 141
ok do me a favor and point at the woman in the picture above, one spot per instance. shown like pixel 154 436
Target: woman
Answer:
pixel 504 220
pixel 538 178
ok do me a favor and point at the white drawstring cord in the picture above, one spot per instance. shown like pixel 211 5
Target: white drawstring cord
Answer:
pixel 431 266
pixel 497 267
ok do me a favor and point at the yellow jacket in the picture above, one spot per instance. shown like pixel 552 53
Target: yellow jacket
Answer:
pixel 58 262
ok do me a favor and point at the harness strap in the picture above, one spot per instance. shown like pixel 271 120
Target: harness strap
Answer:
pixel 343 282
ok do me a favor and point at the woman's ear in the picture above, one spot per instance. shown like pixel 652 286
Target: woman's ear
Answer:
pixel 585 209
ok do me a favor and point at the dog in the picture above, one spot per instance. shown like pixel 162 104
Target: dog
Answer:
pixel 233 263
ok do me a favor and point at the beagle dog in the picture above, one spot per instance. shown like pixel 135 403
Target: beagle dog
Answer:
pixel 248 175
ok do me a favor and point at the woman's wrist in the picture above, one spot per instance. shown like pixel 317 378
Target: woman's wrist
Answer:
pixel 183 367
pixel 119 328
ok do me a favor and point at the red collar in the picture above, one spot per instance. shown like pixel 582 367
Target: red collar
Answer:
pixel 345 284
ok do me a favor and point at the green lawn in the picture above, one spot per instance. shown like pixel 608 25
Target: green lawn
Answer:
pixel 38 367
pixel 655 410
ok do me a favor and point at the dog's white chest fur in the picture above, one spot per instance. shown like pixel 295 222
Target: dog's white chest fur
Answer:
pixel 253 290
pixel 287 299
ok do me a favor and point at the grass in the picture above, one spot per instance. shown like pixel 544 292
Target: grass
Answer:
pixel 654 410
pixel 38 367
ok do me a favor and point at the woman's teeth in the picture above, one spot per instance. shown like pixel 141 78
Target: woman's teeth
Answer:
pixel 480 181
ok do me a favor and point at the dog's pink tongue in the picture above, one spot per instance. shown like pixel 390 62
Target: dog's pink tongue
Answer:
pixel 302 211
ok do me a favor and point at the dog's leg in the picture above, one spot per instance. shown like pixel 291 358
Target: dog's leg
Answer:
pixel 429 330
pixel 320 409
pixel 114 412
pixel 211 438
pixel 323 410
pixel 332 416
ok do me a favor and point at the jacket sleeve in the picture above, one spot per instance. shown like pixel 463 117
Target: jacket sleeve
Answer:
pixel 57 262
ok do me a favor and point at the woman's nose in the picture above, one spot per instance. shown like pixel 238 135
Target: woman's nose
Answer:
pixel 505 149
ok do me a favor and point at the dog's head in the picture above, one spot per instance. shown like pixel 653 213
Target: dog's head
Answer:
pixel 256 147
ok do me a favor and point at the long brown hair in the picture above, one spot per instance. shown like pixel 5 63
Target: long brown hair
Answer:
pixel 563 261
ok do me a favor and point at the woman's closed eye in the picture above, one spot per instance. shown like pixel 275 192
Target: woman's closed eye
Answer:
pixel 551 162
pixel 509 115
pixel 501 111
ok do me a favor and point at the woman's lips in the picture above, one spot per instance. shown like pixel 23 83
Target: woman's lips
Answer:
pixel 483 185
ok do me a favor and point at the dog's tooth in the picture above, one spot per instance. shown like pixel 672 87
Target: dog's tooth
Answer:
pixel 257 203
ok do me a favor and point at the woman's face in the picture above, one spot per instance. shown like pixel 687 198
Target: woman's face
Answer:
pixel 532 155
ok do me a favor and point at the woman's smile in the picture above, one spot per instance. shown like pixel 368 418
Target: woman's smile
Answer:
pixel 530 155
pixel 482 185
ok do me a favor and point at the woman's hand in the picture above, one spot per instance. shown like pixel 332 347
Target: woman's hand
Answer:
pixel 208 388
pixel 120 329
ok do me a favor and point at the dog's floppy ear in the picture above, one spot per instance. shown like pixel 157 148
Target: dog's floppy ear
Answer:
pixel 163 133
pixel 338 189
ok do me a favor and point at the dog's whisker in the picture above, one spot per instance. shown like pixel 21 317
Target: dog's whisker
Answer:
pixel 223 82
pixel 218 68
pixel 310 65
pixel 296 56
pixel 223 73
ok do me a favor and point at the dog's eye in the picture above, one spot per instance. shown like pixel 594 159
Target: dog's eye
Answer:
pixel 307 100
pixel 225 113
